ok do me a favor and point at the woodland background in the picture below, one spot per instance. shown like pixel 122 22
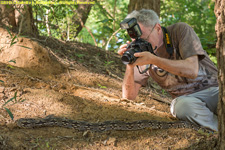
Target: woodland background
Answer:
pixel 62 60
pixel 103 21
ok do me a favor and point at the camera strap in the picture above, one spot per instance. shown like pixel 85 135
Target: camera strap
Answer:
pixel 167 41
pixel 145 70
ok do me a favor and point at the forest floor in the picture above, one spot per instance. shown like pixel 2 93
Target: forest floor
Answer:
pixel 88 88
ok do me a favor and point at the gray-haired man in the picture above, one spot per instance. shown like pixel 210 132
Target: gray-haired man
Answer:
pixel 188 74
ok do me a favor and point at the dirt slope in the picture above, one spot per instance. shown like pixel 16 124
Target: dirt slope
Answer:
pixel 75 80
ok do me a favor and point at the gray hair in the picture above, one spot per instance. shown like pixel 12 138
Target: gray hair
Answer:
pixel 146 17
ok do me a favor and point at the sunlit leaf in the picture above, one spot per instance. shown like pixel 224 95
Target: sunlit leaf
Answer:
pixel 10 113
pixel 9 32
pixel 108 28
pixel 15 96
pixel 24 46
pixel 13 41
pixel 11 99
pixel 14 61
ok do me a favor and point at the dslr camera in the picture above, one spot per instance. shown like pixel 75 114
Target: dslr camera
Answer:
pixel 138 45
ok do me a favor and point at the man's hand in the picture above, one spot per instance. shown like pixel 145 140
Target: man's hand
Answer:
pixel 144 58
pixel 123 48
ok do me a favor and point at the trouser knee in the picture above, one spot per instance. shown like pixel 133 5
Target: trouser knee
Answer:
pixel 194 110
pixel 184 108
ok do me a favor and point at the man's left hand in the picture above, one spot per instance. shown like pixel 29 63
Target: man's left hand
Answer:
pixel 144 58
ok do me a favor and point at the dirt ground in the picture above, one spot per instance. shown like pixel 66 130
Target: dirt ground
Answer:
pixel 81 82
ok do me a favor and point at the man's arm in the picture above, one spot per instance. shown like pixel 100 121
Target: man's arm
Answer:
pixel 185 68
pixel 130 89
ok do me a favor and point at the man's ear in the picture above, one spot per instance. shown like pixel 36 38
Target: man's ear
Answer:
pixel 158 28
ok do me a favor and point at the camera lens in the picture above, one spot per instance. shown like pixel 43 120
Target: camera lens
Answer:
pixel 126 59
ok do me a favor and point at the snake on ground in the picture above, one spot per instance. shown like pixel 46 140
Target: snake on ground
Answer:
pixel 53 121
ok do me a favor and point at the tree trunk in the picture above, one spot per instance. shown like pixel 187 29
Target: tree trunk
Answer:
pixel 147 4
pixel 7 16
pixel 81 15
pixel 220 31
pixel 19 18
pixel 25 20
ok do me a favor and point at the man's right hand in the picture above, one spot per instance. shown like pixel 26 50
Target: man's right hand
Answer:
pixel 123 48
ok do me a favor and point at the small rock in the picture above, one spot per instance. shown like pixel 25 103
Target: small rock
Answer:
pixel 2 89
pixel 86 133
pixel 2 95
pixel 110 141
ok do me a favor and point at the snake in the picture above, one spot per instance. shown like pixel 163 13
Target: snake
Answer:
pixel 53 121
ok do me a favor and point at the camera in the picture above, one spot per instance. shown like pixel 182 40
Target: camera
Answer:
pixel 138 45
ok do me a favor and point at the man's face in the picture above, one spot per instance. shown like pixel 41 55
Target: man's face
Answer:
pixel 151 34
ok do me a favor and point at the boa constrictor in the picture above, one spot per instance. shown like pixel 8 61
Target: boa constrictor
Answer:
pixel 51 121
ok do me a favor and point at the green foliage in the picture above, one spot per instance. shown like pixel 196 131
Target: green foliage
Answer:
pixel 14 40
pixel 9 112
pixel 14 100
pixel 163 92
pixel 10 66
pixel 107 63
pixel 14 61
pixel 80 55
pixel 59 17
pixel 101 86
pixel 103 21
pixel 25 47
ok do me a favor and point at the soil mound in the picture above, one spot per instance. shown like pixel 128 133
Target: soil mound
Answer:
pixel 27 53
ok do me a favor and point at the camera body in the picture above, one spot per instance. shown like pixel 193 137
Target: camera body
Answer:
pixel 138 45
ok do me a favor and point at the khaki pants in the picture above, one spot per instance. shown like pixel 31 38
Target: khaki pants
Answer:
pixel 199 108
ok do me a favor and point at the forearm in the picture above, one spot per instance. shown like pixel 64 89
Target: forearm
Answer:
pixel 185 68
pixel 129 88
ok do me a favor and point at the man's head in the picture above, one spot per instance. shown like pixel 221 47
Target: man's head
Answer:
pixel 146 17
pixel 149 23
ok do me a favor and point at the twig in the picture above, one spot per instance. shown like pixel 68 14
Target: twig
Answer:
pixel 82 24
pixel 39 40
pixel 113 75
pixel 58 58
pixel 106 48
pixel 155 97
pixel 160 100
